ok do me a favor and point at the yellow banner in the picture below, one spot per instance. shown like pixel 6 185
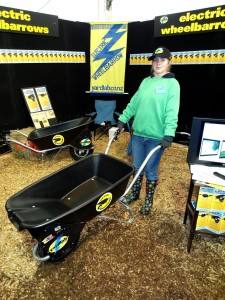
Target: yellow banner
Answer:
pixel 184 57
pixel 108 57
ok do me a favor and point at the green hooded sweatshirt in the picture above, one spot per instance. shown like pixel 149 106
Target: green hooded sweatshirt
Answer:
pixel 155 107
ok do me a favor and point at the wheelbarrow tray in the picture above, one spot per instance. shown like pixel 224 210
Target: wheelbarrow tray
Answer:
pixel 70 195
pixel 43 137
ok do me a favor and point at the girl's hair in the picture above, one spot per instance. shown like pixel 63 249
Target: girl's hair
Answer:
pixel 168 67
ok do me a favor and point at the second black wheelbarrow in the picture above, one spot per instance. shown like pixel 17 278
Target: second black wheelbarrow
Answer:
pixel 74 134
pixel 55 209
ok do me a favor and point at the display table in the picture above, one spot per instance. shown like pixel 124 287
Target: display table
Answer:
pixel 205 205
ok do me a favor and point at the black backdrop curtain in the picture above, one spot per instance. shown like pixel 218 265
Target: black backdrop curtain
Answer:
pixel 201 85
pixel 66 82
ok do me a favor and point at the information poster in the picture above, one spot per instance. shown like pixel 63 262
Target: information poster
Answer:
pixel 40 120
pixel 39 106
pixel 31 100
pixel 43 98
pixel 108 57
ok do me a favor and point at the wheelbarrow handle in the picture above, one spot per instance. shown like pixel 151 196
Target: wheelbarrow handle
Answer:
pixel 20 132
pixel 141 168
pixel 114 137
pixel 38 258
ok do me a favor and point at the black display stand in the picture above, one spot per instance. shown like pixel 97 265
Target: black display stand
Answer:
pixel 192 213
pixel 206 197
pixel 39 106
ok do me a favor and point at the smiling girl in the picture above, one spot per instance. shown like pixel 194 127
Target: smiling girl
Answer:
pixel 155 108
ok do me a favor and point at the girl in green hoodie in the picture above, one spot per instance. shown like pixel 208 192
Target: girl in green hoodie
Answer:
pixel 154 109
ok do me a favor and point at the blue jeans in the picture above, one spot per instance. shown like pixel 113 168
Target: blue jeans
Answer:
pixel 140 148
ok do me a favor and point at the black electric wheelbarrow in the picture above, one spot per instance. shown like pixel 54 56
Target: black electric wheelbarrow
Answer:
pixel 55 209
pixel 74 134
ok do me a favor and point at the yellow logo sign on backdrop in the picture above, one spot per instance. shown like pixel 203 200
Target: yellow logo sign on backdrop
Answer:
pixel 15 20
pixel 203 20
pixel 108 57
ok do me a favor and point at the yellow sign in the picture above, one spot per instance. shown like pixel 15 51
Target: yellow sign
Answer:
pixel 43 98
pixel 20 21
pixel 104 202
pixel 215 56
pixel 31 100
pixel 108 57
pixel 210 19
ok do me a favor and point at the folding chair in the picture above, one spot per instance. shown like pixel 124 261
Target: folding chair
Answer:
pixel 104 117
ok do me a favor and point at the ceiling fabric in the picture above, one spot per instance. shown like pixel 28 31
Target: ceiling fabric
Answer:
pixel 109 10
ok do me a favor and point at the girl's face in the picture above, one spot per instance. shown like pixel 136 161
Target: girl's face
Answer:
pixel 160 66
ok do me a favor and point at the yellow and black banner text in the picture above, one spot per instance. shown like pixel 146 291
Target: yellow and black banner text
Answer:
pixel 184 57
pixel 108 57
pixel 198 21
pixel 17 56
pixel 19 21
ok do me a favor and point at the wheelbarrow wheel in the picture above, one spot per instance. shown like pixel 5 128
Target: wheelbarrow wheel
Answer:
pixel 78 154
pixel 71 246
pixel 41 255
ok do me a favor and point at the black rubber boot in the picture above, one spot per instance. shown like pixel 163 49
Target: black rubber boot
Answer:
pixel 134 193
pixel 150 190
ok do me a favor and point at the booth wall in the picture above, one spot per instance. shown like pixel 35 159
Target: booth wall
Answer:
pixel 67 83
pixel 201 85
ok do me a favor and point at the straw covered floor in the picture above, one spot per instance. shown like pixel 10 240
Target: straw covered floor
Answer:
pixel 144 260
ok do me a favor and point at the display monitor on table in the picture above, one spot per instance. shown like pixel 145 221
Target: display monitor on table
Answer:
pixel 207 142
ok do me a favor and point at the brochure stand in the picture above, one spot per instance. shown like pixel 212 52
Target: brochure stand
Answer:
pixel 206 197
pixel 39 106
pixel 206 209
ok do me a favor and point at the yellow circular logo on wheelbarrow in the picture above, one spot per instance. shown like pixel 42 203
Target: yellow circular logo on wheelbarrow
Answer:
pixel 104 202
pixel 85 142
pixel 58 243
pixel 58 139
